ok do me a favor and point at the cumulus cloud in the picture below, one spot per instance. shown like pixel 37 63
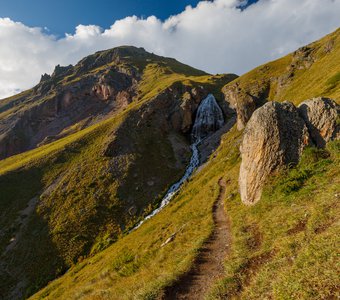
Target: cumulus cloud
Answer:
pixel 215 36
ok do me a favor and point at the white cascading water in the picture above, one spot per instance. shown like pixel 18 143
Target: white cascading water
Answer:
pixel 209 118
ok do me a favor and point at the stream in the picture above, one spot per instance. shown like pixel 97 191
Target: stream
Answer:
pixel 209 118
pixel 172 191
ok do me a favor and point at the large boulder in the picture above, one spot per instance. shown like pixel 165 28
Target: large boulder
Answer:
pixel 320 115
pixel 275 136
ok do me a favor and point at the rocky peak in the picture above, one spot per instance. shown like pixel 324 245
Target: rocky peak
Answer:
pixel 209 118
pixel 61 70
pixel 44 77
pixel 115 55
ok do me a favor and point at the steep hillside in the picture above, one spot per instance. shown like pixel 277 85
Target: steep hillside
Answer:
pixel 68 205
pixel 86 186
pixel 276 245
pixel 283 247
pixel 75 97
pixel 310 71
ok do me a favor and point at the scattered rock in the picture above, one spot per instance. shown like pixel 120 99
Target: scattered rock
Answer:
pixel 169 240
pixel 320 115
pixel 275 136
pixel 132 210
pixel 150 183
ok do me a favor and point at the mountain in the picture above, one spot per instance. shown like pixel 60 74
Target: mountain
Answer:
pixel 108 136
pixel 69 205
pixel 73 98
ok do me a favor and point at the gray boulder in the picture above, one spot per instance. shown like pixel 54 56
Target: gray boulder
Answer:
pixel 320 115
pixel 274 137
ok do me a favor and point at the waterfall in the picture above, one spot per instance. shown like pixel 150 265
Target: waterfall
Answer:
pixel 209 118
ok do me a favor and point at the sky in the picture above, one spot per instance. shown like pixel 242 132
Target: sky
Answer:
pixel 217 36
pixel 61 16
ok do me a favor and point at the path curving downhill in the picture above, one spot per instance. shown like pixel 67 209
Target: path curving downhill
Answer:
pixel 208 266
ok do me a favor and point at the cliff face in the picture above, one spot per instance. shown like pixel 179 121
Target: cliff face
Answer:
pixel 67 101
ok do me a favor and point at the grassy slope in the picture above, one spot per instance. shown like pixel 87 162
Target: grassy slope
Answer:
pixel 86 210
pixel 137 266
pixel 321 79
pixel 286 246
pixel 283 248
pixel 276 245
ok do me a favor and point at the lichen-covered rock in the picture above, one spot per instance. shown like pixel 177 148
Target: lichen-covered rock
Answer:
pixel 209 118
pixel 243 104
pixel 245 101
pixel 320 115
pixel 275 136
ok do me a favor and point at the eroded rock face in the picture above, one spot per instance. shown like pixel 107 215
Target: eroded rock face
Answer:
pixel 275 136
pixel 245 102
pixel 209 118
pixel 320 115
pixel 86 101
pixel 182 116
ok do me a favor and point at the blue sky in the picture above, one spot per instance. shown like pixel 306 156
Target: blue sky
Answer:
pixel 62 16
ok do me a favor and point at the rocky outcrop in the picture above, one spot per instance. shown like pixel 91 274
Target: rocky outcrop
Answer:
pixel 209 118
pixel 244 102
pixel 275 136
pixel 182 115
pixel 112 83
pixel 54 107
pixel 320 115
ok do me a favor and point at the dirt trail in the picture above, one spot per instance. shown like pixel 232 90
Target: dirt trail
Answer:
pixel 208 266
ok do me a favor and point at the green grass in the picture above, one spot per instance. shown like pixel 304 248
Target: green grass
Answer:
pixel 136 266
pixel 85 196
pixel 276 245
pixel 300 82
pixel 285 247
pixel 334 81
pixel 80 224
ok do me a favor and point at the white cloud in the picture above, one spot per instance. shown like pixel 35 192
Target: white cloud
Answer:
pixel 214 36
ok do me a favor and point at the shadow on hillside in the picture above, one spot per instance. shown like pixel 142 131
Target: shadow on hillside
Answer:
pixel 29 258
